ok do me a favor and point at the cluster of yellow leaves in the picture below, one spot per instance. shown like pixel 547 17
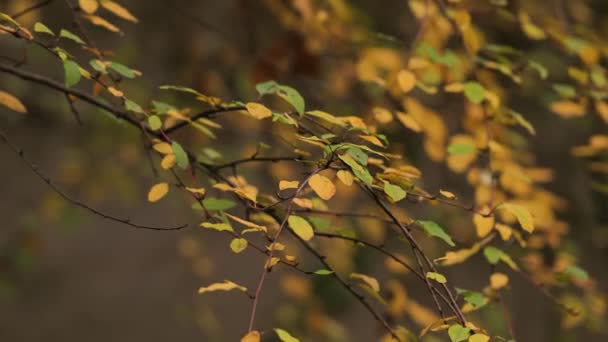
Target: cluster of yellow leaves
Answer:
pixel 166 150
pixel 431 124
pixel 90 7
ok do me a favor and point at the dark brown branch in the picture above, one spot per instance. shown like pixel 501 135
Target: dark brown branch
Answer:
pixel 73 201
pixel 405 230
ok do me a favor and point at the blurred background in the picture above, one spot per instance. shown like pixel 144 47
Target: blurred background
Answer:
pixel 66 275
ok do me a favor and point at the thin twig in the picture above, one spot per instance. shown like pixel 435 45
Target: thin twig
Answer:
pixel 75 202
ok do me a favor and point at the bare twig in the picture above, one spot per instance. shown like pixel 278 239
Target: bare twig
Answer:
pixel 73 201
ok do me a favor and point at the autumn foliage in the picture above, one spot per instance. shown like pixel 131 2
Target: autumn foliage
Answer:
pixel 402 177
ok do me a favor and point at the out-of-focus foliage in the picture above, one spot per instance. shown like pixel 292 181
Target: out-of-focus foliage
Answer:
pixel 400 159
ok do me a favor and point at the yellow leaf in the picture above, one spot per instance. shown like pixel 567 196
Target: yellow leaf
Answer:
pixel 252 336
pixel 284 336
pixel 258 111
pixel 370 281
pixel 530 29
pixel 447 194
pixel 246 223
pixel 158 191
pixel 322 186
pixel 163 148
pixel 168 161
pixel 270 263
pixel 303 202
pixel 504 231
pixel 568 109
pixel 11 102
pixel 89 6
pixel 99 21
pixel 602 109
pixel 459 256
pixel 301 227
pixel 372 139
pixel 479 338
pixel 523 215
pixel 220 227
pixel 115 92
pixel 288 184
pixel 345 177
pixel 196 191
pixel 406 80
pixel 438 277
pixel 382 115
pixel 238 245
pixel 409 122
pixel 483 225
pixel 227 285
pixel 498 280
pixel 118 10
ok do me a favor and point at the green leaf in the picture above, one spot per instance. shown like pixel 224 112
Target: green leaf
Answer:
pixel 433 229
pixel 459 333
pixel 161 107
pixel 214 204
pixel 494 255
pixel 438 277
pixel 284 336
pixel 323 272
pixel 360 156
pixel 577 272
pixel 287 93
pixel 133 106
pixel 301 227
pixel 327 117
pixel 597 77
pixel 123 70
pixel 72 72
pixel 41 28
pixel 181 157
pixel 523 122
pixel 459 148
pixel 69 35
pixel 154 122
pixel 180 88
pixel 394 192
pixel 541 69
pixel 238 245
pixel 476 299
pixel 8 18
pixel 565 91
pixel 98 65
pixel 218 226
pixel 359 171
pixel 268 87
pixel 474 91
pixel 293 97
